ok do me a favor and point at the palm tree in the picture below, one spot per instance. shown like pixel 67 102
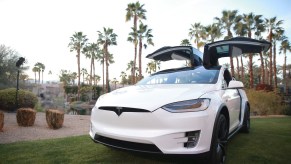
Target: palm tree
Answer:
pixel 272 24
pixel 114 81
pixel 96 79
pixel 277 36
pixel 35 69
pixel 40 68
pixel 107 38
pixel 123 77
pixel 73 76
pixel 197 32
pixel 153 66
pixel 77 42
pixel 137 12
pixel 213 32
pixel 185 42
pixel 285 46
pixel 65 77
pixel 259 29
pixel 228 19
pixel 240 30
pixel 91 51
pixel 84 72
pixel 133 39
pixel 143 33
pixel 131 68
pixel 251 20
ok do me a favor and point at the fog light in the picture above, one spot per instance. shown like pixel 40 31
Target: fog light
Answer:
pixel 193 138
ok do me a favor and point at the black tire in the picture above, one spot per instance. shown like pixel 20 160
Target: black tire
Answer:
pixel 219 141
pixel 247 121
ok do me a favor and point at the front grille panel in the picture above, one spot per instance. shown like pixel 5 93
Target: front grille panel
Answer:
pixel 123 109
pixel 120 110
pixel 141 147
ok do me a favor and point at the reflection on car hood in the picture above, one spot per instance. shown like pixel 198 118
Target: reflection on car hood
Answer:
pixel 151 97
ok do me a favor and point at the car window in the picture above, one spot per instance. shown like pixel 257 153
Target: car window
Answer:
pixel 198 75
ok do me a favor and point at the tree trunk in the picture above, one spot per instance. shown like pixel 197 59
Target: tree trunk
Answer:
pixel 251 70
pixel 107 64
pixel 42 77
pixel 1 121
pixel 25 116
pixel 135 49
pixel 103 71
pixel 270 62
pixel 94 73
pixel 237 68
pixel 285 78
pixel 38 77
pixel 134 63
pixel 35 77
pixel 242 68
pixel 78 62
pixel 54 118
pixel 231 66
pixel 139 59
pixel 91 68
pixel 275 67
pixel 262 68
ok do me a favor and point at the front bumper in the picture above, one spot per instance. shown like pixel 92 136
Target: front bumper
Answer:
pixel 156 132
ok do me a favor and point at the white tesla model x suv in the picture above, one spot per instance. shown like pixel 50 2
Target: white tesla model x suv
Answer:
pixel 190 110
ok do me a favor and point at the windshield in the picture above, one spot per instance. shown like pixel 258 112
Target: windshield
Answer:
pixel 198 75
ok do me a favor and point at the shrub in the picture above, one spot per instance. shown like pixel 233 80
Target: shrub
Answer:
pixel 265 103
pixel 26 99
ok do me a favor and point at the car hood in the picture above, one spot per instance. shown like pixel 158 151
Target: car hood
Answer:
pixel 152 97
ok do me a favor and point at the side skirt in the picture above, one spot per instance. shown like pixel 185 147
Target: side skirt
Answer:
pixel 234 132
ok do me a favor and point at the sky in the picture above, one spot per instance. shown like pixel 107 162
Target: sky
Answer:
pixel 40 30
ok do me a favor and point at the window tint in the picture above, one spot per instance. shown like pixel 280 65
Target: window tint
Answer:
pixel 222 50
pixel 198 75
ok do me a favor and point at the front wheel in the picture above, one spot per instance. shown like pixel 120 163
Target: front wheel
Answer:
pixel 247 121
pixel 218 147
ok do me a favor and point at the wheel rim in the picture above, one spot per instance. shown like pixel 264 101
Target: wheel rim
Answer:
pixel 221 146
pixel 248 120
pixel 220 151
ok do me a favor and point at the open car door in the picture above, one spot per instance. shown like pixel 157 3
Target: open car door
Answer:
pixel 177 53
pixel 231 48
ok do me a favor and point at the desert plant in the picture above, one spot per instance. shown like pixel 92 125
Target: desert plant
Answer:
pixel 54 118
pixel 1 121
pixel 25 116
pixel 265 103
pixel 26 99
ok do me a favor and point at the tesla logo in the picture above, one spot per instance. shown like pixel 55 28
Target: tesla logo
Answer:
pixel 118 111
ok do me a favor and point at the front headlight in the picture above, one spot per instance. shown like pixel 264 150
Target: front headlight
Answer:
pixel 188 105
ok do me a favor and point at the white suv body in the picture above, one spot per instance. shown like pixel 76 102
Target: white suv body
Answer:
pixel 191 110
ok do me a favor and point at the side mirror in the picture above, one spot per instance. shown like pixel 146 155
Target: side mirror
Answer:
pixel 235 84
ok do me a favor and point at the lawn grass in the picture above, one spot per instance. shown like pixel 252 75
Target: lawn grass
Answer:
pixel 268 142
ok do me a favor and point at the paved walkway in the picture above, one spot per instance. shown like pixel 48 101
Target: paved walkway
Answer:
pixel 74 125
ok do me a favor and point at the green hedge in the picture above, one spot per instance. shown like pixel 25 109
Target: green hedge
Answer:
pixel 26 99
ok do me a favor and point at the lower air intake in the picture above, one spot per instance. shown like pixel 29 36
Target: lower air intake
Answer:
pixel 141 147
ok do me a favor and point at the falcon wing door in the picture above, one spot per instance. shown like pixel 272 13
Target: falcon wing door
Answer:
pixel 231 48
pixel 177 53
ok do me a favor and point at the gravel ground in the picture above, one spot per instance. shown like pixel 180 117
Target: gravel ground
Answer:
pixel 74 125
